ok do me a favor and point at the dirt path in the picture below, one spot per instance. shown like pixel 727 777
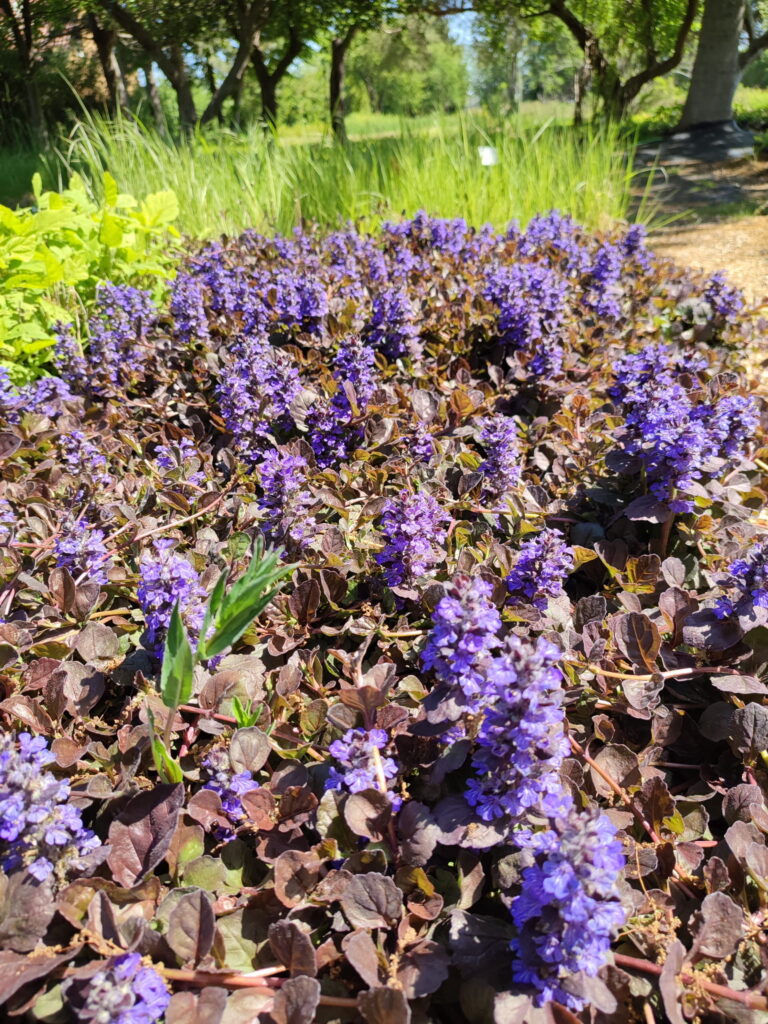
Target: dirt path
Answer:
pixel 715 214
pixel 740 247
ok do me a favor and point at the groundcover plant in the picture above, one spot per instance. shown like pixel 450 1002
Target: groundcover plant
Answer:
pixel 385 636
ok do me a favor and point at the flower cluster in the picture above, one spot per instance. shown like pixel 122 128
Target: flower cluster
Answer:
pixel 80 548
pixel 117 329
pixel 521 743
pixel 725 300
pixel 256 391
pixel 569 908
pixel 464 632
pixel 286 499
pixel 39 830
pixel 542 564
pixel 228 784
pixel 166 578
pixel 173 459
pixel 414 528
pixel 392 326
pixel 187 306
pixel 69 360
pixel 530 298
pixel 84 458
pixel 123 992
pixel 501 467
pixel 676 431
pixel 359 753
pixel 332 435
pixel 605 291
pixel 747 580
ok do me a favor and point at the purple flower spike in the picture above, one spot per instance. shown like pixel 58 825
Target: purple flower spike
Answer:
pixel 569 908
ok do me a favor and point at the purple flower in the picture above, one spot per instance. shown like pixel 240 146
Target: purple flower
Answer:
pixel 10 401
pixel 747 580
pixel 165 578
pixel 81 549
pixel 228 784
pixel 421 443
pixel 69 360
pixel 256 391
pixel 604 289
pixel 359 753
pixel 521 743
pixel 501 468
pixel 286 498
pixel 542 564
pixel 724 300
pixel 85 459
pixel 531 301
pixel 39 830
pixel 172 459
pixel 124 992
pixel 675 434
pixel 569 908
pixel 392 326
pixel 556 237
pixel 464 632
pixel 187 307
pixel 333 435
pixel 45 396
pixel 118 329
pixel 299 300
pixel 414 528
pixel 633 245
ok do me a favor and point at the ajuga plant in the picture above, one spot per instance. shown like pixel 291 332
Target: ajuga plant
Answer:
pixel 382 635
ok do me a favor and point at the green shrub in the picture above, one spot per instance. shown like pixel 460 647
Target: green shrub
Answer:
pixel 53 256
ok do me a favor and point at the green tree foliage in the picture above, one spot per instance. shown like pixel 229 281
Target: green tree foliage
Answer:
pixel 410 67
pixel 522 59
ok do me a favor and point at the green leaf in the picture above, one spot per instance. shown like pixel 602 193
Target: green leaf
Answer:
pixel 248 597
pixel 245 715
pixel 111 231
pixel 178 664
pixel 166 766
pixel 110 189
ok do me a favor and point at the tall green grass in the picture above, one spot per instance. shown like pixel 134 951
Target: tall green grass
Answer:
pixel 226 182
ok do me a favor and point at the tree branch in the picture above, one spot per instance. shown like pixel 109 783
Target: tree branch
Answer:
pixel 142 35
pixel 634 84
pixel 249 30
pixel 755 48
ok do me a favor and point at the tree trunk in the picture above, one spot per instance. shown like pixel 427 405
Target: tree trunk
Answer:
pixel 105 39
pixel 34 106
pixel 269 80
pixel 339 48
pixel 268 101
pixel 153 95
pixel 716 70
pixel 183 88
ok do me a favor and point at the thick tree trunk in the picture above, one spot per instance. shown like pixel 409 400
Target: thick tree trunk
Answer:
pixel 716 70
pixel 339 48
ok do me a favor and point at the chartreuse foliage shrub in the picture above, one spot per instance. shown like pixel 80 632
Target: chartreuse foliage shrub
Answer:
pixel 54 255
pixel 390 613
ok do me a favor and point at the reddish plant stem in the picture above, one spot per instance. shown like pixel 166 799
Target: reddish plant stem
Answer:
pixel 209 714
pixel 748 999
pixel 622 794
pixel 204 979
